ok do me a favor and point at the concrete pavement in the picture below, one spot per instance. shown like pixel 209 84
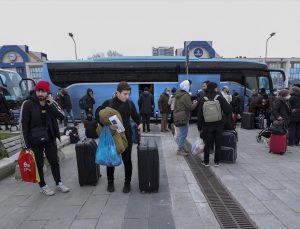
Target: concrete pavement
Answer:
pixel 178 204
pixel 266 185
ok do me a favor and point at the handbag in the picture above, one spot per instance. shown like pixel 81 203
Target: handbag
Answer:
pixel 180 118
pixel 39 135
pixel 28 167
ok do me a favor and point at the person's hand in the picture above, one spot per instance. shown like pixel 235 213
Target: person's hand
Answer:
pixel 140 128
pixel 113 127
pixel 195 101
pixel 279 118
pixel 49 100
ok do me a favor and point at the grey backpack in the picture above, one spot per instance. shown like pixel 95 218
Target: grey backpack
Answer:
pixel 212 111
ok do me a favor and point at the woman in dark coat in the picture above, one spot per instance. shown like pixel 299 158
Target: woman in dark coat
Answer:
pixel 294 128
pixel 282 108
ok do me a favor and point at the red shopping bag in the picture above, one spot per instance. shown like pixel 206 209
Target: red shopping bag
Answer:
pixel 28 168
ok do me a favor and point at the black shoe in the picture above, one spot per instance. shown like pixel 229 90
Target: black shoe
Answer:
pixel 205 164
pixel 127 187
pixel 110 186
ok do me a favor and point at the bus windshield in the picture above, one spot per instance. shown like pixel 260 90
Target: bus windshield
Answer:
pixel 10 83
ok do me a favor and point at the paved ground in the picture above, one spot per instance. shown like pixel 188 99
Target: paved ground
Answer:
pixel 266 185
pixel 179 203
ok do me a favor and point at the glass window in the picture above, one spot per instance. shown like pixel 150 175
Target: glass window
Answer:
pixel 251 83
pixel 10 81
pixel 294 76
pixel 264 83
pixel 36 73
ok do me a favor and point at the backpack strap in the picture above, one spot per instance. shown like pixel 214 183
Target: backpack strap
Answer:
pixel 216 97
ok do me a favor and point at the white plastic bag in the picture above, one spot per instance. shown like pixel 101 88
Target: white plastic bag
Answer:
pixel 198 147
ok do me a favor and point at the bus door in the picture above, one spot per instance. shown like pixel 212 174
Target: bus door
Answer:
pixel 158 90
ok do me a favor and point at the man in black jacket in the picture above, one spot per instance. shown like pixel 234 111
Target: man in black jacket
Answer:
pixel 39 130
pixel 89 101
pixel 211 132
pixel 127 109
pixel 4 108
pixel 67 107
pixel 146 103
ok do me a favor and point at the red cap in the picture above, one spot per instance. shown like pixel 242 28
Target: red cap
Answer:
pixel 43 85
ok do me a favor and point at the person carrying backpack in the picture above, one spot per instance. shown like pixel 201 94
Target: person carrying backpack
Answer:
pixel 87 102
pixel 212 110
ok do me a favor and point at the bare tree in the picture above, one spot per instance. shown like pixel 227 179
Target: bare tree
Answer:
pixel 113 53
pixel 96 56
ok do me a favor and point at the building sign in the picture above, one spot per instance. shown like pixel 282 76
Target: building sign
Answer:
pixel 198 52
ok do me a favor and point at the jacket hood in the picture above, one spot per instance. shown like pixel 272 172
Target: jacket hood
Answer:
pixel 89 90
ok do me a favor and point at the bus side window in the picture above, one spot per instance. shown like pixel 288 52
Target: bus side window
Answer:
pixel 251 83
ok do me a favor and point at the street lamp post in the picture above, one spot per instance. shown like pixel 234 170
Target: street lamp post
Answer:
pixel 271 35
pixel 71 35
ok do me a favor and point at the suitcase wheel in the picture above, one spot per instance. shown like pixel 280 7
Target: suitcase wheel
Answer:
pixel 281 153
pixel 155 191
pixel 270 151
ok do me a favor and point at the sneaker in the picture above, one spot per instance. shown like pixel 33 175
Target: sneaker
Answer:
pixel 217 164
pixel 127 187
pixel 182 153
pixel 47 191
pixel 205 164
pixel 62 188
pixel 110 186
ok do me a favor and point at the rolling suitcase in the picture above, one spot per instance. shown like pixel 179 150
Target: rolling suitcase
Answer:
pixel 278 144
pixel 248 121
pixel 229 146
pixel 88 170
pixel 148 165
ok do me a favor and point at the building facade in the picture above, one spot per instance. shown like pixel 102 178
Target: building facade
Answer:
pixel 18 58
pixel 163 51
pixel 290 66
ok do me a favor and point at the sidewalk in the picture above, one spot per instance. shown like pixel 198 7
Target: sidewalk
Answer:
pixel 266 185
pixel 178 204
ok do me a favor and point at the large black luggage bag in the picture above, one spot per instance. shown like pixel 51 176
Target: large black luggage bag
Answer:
pixel 229 146
pixel 248 120
pixel 148 165
pixel 260 122
pixel 88 170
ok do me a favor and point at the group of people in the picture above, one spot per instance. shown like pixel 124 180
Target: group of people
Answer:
pixel 282 105
pixel 40 112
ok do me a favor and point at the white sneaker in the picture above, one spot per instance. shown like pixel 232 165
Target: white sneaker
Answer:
pixel 62 188
pixel 47 191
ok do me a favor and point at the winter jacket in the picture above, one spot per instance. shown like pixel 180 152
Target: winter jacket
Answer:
pixel 66 102
pixel 4 108
pixel 163 103
pixel 282 108
pixel 172 102
pixel 227 96
pixel 146 102
pixel 127 111
pixel 236 104
pixel 183 102
pixel 255 103
pixel 31 117
pixel 295 106
pixel 226 109
pixel 88 101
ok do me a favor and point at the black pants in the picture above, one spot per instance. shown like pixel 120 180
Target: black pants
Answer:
pixel 87 112
pixel 171 120
pixel 294 133
pixel 212 140
pixel 50 151
pixel 146 121
pixel 126 157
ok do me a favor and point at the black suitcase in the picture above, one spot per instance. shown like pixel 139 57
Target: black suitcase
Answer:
pixel 260 122
pixel 148 165
pixel 88 170
pixel 248 121
pixel 90 129
pixel 229 146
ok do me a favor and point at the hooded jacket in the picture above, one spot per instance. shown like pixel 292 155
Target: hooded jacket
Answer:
pixel 282 108
pixel 31 117
pixel 183 102
pixel 295 104
pixel 88 100
pixel 146 103
pixel 66 101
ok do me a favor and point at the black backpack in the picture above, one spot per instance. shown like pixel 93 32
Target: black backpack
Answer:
pixel 81 103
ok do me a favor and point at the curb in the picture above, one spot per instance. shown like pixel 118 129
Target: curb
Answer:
pixel 9 166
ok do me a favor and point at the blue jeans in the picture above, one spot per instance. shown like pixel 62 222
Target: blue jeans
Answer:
pixel 68 113
pixel 181 134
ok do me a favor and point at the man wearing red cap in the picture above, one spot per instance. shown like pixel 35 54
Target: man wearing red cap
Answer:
pixel 39 130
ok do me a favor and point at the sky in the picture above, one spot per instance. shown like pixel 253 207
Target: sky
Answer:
pixel 133 27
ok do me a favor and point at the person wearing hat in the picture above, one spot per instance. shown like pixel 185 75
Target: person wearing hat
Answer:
pixel 39 131
pixel 67 107
pixel 282 108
